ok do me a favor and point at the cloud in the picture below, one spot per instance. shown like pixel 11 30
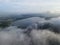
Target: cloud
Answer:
pixel 31 35
pixel 44 37
pixel 13 36
pixel 30 5
pixel 16 36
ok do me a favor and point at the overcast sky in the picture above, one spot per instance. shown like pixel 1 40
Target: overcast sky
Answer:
pixel 29 6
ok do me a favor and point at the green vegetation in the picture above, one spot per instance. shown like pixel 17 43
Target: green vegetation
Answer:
pixel 5 23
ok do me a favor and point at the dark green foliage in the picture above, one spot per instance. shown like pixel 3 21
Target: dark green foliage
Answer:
pixel 4 24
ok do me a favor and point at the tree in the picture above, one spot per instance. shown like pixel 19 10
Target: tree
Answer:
pixel 5 23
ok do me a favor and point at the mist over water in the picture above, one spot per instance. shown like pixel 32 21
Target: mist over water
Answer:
pixel 31 31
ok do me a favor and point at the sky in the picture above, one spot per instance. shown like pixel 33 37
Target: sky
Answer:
pixel 29 6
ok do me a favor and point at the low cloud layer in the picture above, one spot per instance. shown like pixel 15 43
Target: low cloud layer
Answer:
pixel 17 36
pixel 32 31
